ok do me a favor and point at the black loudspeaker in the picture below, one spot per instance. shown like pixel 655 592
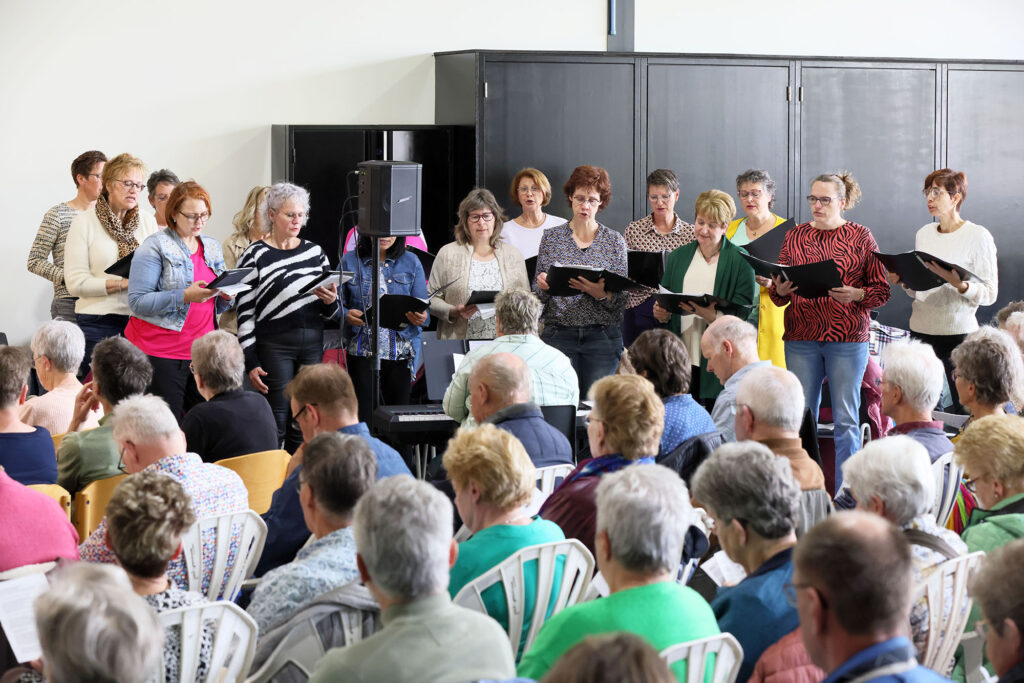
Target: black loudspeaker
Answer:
pixel 389 198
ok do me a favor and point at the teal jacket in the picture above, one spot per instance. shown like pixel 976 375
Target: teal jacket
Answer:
pixel 734 281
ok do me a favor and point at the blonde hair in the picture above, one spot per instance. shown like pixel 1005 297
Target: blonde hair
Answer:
pixel 496 461
pixel 632 414
pixel 846 186
pixel 536 176
pixel 255 205
pixel 118 166
pixel 716 206
pixel 994 445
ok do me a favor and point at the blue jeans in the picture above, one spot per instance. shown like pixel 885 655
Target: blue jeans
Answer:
pixel 594 351
pixel 96 328
pixel 281 355
pixel 844 364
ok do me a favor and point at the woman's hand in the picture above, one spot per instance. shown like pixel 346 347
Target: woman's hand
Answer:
pixel 197 293
pixel 763 281
pixel 86 401
pixel 893 278
pixel 542 282
pixel 257 383
pixel 847 295
pixel 461 311
pixel 328 295
pixel 783 287
pixel 660 313
pixel 354 318
pixel 708 313
pixel 594 289
pixel 950 276
pixel 417 319
pixel 115 286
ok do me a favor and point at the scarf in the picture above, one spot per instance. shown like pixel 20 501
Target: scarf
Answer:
pixel 606 463
pixel 123 232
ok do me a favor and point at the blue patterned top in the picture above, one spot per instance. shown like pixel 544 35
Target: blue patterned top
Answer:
pixel 684 418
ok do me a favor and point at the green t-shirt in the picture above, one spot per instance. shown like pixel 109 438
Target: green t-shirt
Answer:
pixel 663 614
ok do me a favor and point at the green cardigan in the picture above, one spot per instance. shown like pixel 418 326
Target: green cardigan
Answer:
pixel 734 281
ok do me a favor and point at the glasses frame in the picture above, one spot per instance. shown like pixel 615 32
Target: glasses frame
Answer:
pixel 586 201
pixel 195 218
pixel 487 217
pixel 824 201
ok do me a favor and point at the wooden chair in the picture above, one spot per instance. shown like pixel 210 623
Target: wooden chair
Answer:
pixel 91 504
pixel 58 493
pixel 946 622
pixel 57 438
pixel 263 473
pixel 728 658
pixel 233 647
pixel 237 539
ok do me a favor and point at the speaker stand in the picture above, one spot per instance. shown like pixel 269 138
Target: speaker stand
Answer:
pixel 375 331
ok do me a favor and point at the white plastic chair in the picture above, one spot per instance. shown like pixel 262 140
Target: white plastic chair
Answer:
pixel 511 573
pixel 947 484
pixel 728 658
pixel 546 477
pixel 244 532
pixel 944 632
pixel 234 640
pixel 974 649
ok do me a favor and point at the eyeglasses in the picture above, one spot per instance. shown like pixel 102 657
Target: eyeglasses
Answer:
pixel 195 218
pixel 586 201
pixel 298 484
pixel 478 217
pixel 933 192
pixel 824 201
pixel 753 194
pixel 129 185
pixel 590 418
pixel 528 190
pixel 292 215
pixel 879 381
pixel 297 415
pixel 971 483
pixel 659 197
pixel 120 459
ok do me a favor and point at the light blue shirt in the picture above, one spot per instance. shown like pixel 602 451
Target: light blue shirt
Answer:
pixel 724 412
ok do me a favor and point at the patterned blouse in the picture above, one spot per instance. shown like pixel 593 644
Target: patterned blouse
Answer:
pixel 484 276
pixel 641 236
pixel 173 598
pixel 608 251
pixel 50 238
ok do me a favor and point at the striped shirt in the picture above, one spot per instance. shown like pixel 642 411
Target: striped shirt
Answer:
pixel 50 237
pixel 274 303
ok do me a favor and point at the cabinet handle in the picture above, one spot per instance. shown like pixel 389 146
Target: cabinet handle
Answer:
pixel 485 90
pixel 788 93
pixel 800 93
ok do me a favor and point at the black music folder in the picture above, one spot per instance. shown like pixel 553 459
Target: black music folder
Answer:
pixel 671 302
pixel 233 276
pixel 647 267
pixel 122 267
pixel 531 269
pixel 394 307
pixel 482 297
pixel 559 276
pixel 426 259
pixel 767 246
pixel 913 272
pixel 813 280
pixel 325 278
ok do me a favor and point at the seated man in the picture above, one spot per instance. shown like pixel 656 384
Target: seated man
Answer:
pixel 33 527
pixel 57 347
pixel 403 531
pixel 639 568
pixel 337 469
pixel 911 386
pixel 322 400
pixel 26 452
pixel 730 345
pixel 233 421
pixel 149 439
pixel 853 589
pixel 517 313
pixel 119 370
pixel 754 501
pixel 769 410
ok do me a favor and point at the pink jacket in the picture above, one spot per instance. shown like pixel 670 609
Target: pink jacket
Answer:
pixel 786 662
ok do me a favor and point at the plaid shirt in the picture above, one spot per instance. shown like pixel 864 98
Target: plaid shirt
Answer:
pixel 641 236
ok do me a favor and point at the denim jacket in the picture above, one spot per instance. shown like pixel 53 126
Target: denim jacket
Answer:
pixel 162 271
pixel 403 275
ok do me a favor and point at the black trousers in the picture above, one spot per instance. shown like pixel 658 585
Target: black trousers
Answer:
pixel 395 383
pixel 943 345
pixel 281 355
pixel 173 382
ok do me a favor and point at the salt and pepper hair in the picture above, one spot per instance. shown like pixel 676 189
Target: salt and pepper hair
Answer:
pixel 120 369
pixel 990 359
pixel 143 420
pixel 997 585
pixel 93 627
pixel 279 193
pixel 898 470
pixel 162 176
pixel 663 177
pixel 775 397
pixel 518 311
pixel 218 359
pixel 747 482
pixel 757 176
pixel 645 510
pixel 15 365
pixel 62 342
pixel 506 376
pixel 916 370
pixel 403 532
pixel 339 469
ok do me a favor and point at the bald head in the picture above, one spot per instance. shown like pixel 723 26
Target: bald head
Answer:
pixel 729 344
pixel 497 381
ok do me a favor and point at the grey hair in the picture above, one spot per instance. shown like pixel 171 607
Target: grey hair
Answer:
pixel 403 532
pixel 339 469
pixel 1014 326
pixel 916 370
pixel 898 470
pixel 761 177
pixel 62 342
pixel 162 176
pixel 93 627
pixel 645 509
pixel 775 397
pixel 846 186
pixel 742 334
pixel 218 358
pixel 506 375
pixel 747 482
pixel 518 311
pixel 279 193
pixel 143 419
pixel 664 178
pixel 989 359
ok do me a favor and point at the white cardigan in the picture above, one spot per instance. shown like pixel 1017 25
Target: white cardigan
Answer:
pixel 89 251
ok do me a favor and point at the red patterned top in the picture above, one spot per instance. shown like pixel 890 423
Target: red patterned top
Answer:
pixel 825 319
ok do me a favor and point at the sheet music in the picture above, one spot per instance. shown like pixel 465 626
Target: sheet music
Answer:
pixel 724 571
pixel 17 616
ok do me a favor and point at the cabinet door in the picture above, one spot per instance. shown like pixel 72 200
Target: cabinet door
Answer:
pixel 879 122
pixel 554 116
pixel 985 140
pixel 711 122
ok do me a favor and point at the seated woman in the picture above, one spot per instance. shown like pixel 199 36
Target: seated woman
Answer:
pixel 493 479
pixel 57 347
pixel 996 587
pixel 623 428
pixel 26 452
pixel 661 357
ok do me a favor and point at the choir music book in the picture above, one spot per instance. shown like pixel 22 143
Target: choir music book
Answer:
pixel 341 276
pixel 672 302
pixel 647 267
pixel 813 280
pixel 560 274
pixel 913 272
pixel 230 281
pixel 394 307
pixel 482 297
pixel 122 267
pixel 767 246
pixel 531 269
pixel 426 259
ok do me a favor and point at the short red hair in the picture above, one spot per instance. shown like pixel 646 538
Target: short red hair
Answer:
pixel 189 189
pixel 949 180
pixel 589 177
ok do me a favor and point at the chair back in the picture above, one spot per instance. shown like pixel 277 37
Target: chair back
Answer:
pixel 234 641
pixel 685 458
pixel 262 473
pixel 57 438
pixel 58 493
pixel 946 620
pixel 91 504
pixel 725 647
pixel 974 649
pixel 236 539
pixel 547 477
pixel 947 484
pixel 562 418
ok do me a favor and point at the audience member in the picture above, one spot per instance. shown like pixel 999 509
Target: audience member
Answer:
pixel 1014 326
pixel 911 386
pixel 493 479
pixel 403 531
pixel 730 346
pixel 517 313
pixel 159 187
pixel 322 400
pixel 610 658
pixel 786 661
pixel 33 527
pixel 119 370
pixel 997 586
pixel 57 350
pixel 642 517
pixel 337 470
pixel 26 452
pixel 893 478
pixel 149 440
pixel 852 588
pixel 754 500
pixel 624 428
pixel 232 421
